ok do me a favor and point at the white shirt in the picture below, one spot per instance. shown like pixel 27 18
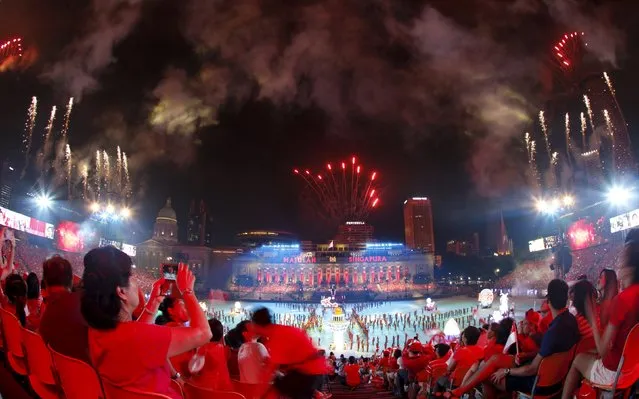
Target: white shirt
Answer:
pixel 250 360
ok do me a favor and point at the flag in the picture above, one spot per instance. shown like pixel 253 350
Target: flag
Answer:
pixel 512 338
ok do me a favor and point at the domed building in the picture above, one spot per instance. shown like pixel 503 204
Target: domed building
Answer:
pixel 166 227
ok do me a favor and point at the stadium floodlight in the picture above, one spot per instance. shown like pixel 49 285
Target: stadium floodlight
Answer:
pixel 618 195
pixel 110 209
pixel 541 205
pixel 43 201
pixel 125 213
pixel 95 207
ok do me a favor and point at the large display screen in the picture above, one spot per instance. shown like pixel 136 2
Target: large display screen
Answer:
pixel 20 222
pixel 128 249
pixel 543 243
pixel 585 233
pixel 624 221
pixel 69 237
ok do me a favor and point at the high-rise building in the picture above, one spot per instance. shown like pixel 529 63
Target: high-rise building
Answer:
pixel 354 233
pixel 199 225
pixel 8 179
pixel 418 224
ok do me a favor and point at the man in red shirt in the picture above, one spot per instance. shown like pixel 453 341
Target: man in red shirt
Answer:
pixel 62 325
pixel 463 358
pixel 600 368
pixel 291 351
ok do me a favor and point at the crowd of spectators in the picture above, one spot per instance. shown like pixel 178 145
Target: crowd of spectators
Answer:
pixel 105 320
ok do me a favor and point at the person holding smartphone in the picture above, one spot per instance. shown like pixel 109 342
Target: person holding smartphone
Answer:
pixel 131 354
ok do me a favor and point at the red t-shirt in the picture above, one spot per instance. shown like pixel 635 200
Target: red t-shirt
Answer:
pixel 352 375
pixel 604 312
pixel 383 363
pixel 467 356
pixel 392 363
pixel 415 364
pixel 215 373
pixel 544 324
pixel 292 347
pixel 624 315
pixel 492 349
pixel 133 355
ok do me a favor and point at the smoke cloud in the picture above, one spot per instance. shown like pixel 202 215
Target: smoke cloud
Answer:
pixel 110 21
pixel 433 67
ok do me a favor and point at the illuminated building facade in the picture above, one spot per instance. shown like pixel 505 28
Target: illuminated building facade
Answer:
pixel 418 224
pixel 376 263
pixel 166 227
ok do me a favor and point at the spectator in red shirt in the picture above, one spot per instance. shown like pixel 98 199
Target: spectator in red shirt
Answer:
pixel 214 373
pixel 15 290
pixel 291 350
pixel 414 360
pixel 62 325
pixel 581 293
pixel 352 373
pixel 529 339
pixel 34 302
pixel 546 317
pixel 600 368
pixel 463 358
pixel 174 315
pixel 494 362
pixel 130 354
pixel 608 288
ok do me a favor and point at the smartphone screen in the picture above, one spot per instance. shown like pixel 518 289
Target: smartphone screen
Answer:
pixel 169 271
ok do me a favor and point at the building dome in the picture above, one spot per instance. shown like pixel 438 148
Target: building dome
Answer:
pixel 167 214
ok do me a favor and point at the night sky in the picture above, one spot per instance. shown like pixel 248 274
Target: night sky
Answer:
pixel 220 99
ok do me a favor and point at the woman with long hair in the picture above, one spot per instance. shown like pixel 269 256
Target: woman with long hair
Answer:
pixel 126 353
pixel 34 302
pixel 581 293
pixel 15 289
pixel 608 288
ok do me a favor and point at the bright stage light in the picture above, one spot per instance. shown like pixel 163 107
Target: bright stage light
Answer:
pixel 43 201
pixel 568 200
pixel 110 209
pixel 619 195
pixel 125 213
pixel 95 207
pixel 451 329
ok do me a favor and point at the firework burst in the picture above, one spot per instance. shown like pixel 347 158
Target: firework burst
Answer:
pixel 127 178
pixel 343 191
pixel 98 174
pixel 69 167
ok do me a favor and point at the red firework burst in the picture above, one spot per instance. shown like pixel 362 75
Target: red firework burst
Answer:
pixel 343 190
pixel 568 52
pixel 10 48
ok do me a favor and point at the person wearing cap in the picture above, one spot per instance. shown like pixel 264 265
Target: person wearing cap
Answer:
pixel 414 358
pixel 562 335
pixel 600 367
pixel 62 325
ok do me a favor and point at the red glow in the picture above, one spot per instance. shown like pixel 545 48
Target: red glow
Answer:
pixel 68 237
pixel 319 177
pixel 307 172
pixel 329 167
pixel 556 48
pixel 343 165
pixel 353 160
pixel 372 193
pixel 566 63
pixel 296 171
pixel 559 55
pixel 373 175
pixel 358 169
pixel 561 44
pixel 581 234
pixel 375 202
pixel 566 36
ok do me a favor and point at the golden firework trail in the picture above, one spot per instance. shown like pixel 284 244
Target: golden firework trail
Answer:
pixel 567 125
pixel 67 120
pixel 582 117
pixel 85 180
pixel 32 112
pixel 98 173
pixel 69 164
pixel 589 109
pixel 544 129
pixel 127 179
